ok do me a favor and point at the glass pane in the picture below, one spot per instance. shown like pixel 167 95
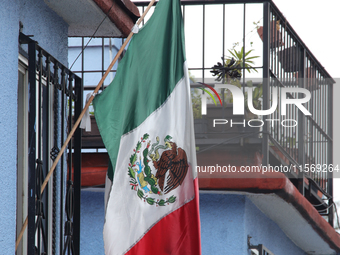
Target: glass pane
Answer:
pixel 233 27
pixel 74 49
pixel 213 48
pixel 92 79
pixel 193 37
pixel 112 46
pixel 93 55
pixel 253 41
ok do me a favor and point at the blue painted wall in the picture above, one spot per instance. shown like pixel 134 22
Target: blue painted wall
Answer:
pixel 51 32
pixel 262 230
pixel 222 224
pixel 226 221
pixel 92 222
pixel 9 24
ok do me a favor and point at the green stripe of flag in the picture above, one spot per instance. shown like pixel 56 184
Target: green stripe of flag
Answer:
pixel 146 76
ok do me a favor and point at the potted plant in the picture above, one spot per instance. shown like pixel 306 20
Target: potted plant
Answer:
pixel 276 37
pixel 288 58
pixel 231 72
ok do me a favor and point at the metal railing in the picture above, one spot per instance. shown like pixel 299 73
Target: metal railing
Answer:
pixel 307 144
pixel 54 94
pixel 292 65
pixel 286 63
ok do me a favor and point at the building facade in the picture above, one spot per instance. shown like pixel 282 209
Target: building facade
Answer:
pixel 51 31
pixel 37 88
pixel 244 213
pixel 278 214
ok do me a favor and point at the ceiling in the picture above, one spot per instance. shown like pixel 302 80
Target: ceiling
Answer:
pixel 111 18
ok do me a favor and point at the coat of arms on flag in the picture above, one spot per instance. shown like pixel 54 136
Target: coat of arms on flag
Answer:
pixel 145 119
pixel 164 174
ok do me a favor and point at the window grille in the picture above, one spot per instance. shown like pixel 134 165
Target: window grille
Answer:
pixel 54 94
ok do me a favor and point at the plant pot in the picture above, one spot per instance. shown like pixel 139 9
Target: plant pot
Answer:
pixel 289 59
pixel 311 80
pixel 276 38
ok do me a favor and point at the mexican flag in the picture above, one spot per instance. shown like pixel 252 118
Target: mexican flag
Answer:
pixel 145 120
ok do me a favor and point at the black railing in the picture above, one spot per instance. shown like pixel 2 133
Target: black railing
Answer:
pixel 309 144
pixel 54 94
pixel 286 62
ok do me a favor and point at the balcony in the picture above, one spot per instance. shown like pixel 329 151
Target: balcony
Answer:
pixel 295 140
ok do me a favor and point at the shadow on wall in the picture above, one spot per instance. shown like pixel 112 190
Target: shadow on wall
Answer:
pixel 92 221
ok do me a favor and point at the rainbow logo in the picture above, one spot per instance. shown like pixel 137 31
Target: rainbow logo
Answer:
pixel 209 93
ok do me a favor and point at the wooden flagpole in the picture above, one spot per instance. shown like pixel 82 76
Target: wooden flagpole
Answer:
pixel 48 176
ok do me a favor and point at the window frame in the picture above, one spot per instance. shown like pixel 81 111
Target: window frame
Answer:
pixel 22 151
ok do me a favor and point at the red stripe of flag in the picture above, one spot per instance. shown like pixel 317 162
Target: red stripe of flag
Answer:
pixel 177 233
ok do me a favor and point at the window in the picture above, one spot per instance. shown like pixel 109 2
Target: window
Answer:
pixel 46 122
pixel 45 88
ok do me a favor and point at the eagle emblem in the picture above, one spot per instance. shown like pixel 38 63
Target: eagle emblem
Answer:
pixel 157 169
